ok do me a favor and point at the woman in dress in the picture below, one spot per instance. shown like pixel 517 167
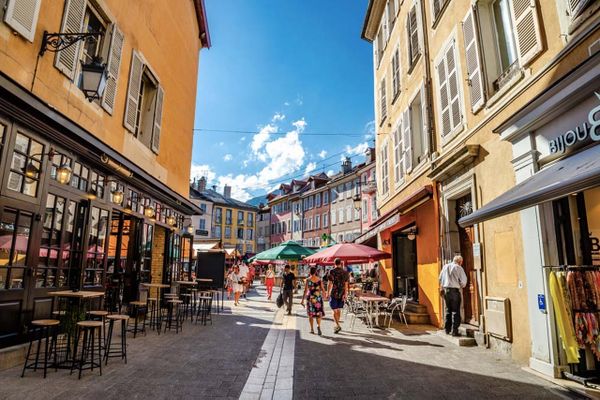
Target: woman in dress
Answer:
pixel 313 291
pixel 270 281
pixel 238 287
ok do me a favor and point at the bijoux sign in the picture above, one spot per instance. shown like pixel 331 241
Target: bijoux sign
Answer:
pixel 589 130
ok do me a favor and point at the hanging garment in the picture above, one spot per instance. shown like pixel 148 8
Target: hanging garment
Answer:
pixel 563 322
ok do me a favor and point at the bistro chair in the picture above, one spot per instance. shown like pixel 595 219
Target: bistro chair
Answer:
pixel 358 310
pixel 174 315
pixel 92 333
pixel 42 329
pixel 119 349
pixel 139 308
pixel 398 306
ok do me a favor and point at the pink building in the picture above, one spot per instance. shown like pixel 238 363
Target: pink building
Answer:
pixel 281 215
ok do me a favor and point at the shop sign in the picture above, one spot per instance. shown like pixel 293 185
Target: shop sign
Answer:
pixel 385 225
pixel 586 132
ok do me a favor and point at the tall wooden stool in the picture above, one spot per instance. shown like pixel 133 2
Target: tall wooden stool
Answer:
pixel 44 329
pixel 120 350
pixel 92 332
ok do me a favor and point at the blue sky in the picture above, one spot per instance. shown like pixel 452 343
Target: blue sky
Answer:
pixel 280 71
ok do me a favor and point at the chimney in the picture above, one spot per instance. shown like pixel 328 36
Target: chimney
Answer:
pixel 227 191
pixel 347 165
pixel 201 184
pixel 370 155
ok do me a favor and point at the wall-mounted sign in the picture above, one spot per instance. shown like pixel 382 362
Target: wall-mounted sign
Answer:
pixel 586 132
pixel 201 232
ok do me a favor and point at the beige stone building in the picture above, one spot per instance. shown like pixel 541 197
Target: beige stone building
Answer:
pixel 503 79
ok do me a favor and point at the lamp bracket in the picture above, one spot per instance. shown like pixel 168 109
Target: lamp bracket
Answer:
pixel 55 42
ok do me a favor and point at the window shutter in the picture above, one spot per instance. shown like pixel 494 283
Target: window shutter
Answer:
pixel 22 16
pixel 436 8
pixel 407 141
pixel 67 59
pixel 396 72
pixel 473 63
pixel 453 88
pixel 444 104
pixel 133 92
pixel 383 101
pixel 425 117
pixel 413 32
pixel 527 30
pixel 398 151
pixel 157 119
pixel 376 50
pixel 112 66
pixel 577 6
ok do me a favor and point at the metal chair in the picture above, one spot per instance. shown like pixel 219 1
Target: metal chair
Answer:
pixel 397 305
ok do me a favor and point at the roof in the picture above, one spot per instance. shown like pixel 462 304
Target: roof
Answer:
pixel 217 198
pixel 373 16
pixel 202 23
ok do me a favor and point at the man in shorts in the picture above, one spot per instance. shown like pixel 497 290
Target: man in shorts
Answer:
pixel 337 291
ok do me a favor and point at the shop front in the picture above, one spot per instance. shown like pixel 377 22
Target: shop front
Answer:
pixel 75 214
pixel 410 233
pixel 556 153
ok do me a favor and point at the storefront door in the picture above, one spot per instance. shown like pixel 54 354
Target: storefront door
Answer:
pixel 405 266
pixel 466 240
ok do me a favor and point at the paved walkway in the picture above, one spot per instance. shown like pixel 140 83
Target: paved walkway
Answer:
pixel 256 352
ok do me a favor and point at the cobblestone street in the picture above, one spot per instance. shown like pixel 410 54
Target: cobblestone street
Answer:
pixel 253 352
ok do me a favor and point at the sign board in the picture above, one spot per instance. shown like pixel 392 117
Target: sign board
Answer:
pixel 541 302
pixel 201 232
pixel 477 259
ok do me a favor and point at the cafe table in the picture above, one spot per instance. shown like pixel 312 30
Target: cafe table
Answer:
pixel 372 302
pixel 76 303
pixel 159 287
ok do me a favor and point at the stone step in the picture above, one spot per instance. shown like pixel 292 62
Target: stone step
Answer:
pixel 467 330
pixel 416 307
pixel 462 341
pixel 417 318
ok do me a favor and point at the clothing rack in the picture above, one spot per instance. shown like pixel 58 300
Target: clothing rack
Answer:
pixel 579 372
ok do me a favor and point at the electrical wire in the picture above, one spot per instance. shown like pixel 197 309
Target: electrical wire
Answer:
pixel 279 133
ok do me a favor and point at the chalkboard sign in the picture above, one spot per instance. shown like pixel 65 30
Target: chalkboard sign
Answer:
pixel 211 265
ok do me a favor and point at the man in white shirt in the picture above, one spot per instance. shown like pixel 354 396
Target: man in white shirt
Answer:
pixel 245 274
pixel 452 280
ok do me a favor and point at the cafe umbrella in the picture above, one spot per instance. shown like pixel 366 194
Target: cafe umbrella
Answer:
pixel 349 253
pixel 287 251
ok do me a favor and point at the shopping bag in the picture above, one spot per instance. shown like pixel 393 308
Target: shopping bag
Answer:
pixel 279 300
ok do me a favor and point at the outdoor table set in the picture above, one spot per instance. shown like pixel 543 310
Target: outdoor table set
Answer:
pixel 373 303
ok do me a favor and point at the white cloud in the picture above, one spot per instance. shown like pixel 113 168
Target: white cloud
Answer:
pixel 299 101
pixel 300 125
pixel 243 139
pixel 323 154
pixel 199 170
pixel 287 103
pixel 221 144
pixel 359 149
pixel 227 157
pixel 330 173
pixel 310 167
pixel 278 117
pixel 259 140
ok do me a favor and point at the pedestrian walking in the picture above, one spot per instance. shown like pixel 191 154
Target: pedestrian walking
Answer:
pixel 287 288
pixel 237 284
pixel 452 280
pixel 313 292
pixel 270 281
pixel 337 291
pixel 245 274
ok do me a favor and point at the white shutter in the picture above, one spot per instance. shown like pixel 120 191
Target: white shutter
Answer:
pixel 376 51
pixel 407 141
pixel 443 97
pixel 577 6
pixel 66 60
pixel 398 151
pixel 112 66
pixel 453 86
pixel 158 111
pixel 474 72
pixel 396 73
pixel 22 16
pixel 133 92
pixel 425 118
pixel 527 29
pixel 413 34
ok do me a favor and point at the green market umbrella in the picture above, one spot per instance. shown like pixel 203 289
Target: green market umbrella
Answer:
pixel 289 251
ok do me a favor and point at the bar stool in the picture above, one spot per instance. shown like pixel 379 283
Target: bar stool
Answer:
pixel 121 350
pixel 194 293
pixel 100 315
pixel 138 308
pixel 173 315
pixel 45 329
pixel 187 305
pixel 88 328
pixel 204 308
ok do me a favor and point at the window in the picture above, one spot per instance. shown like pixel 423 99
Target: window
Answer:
pixel 91 49
pixel 203 207
pixel 27 155
pixel 57 161
pixel 391 14
pixel 15 225
pixel 22 17
pixel 97 185
pixel 228 217
pixel 202 224
pixel 334 195
pixel 365 210
pixel 325 220
pixel 341 216
pixel 80 177
pixel 143 109
pixel 317 221
pixel 218 215
pixel 96 253
pixel 384 169
pixel 349 213
pixel 395 74
pixel 50 259
pixel 418 140
pixel 333 217
pixel 311 201
pixel 240 216
pixel 357 214
pixel 228 232
pixel 240 233
pixel 348 190
pixel 398 154
pixel 249 248
pixel 217 232
pixel 318 200
pixel 382 102
pixel 412 27
pixel 326 197
pixel 507 51
pixel 250 219
pixel 449 102
pixel 438 8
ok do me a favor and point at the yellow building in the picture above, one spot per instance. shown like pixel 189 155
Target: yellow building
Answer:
pixel 490 63
pixel 96 118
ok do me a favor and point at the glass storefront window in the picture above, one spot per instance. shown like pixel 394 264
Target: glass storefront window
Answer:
pixel 97 184
pixel 57 161
pixel 51 257
pixel 80 177
pixel 27 153
pixel 146 252
pixel 15 230
pixel 96 253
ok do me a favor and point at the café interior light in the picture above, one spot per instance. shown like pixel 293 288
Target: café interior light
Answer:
pixel 63 174
pixel 117 196
pixel 171 220
pixel 149 211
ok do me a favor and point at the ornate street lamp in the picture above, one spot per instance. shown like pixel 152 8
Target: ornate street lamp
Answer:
pixel 171 220
pixel 117 196
pixel 63 173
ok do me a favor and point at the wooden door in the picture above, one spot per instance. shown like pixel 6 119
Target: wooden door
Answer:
pixel 466 238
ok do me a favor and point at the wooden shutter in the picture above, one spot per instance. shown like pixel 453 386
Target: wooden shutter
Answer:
pixel 383 101
pixel 407 141
pixel 133 92
pixel 398 153
pixel 425 118
pixel 527 30
pixel 443 97
pixel 413 34
pixel 66 60
pixel 112 66
pixel 376 50
pixel 396 72
pixel 474 73
pixel 577 6
pixel 22 16
pixel 453 86
pixel 436 8
pixel 158 110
